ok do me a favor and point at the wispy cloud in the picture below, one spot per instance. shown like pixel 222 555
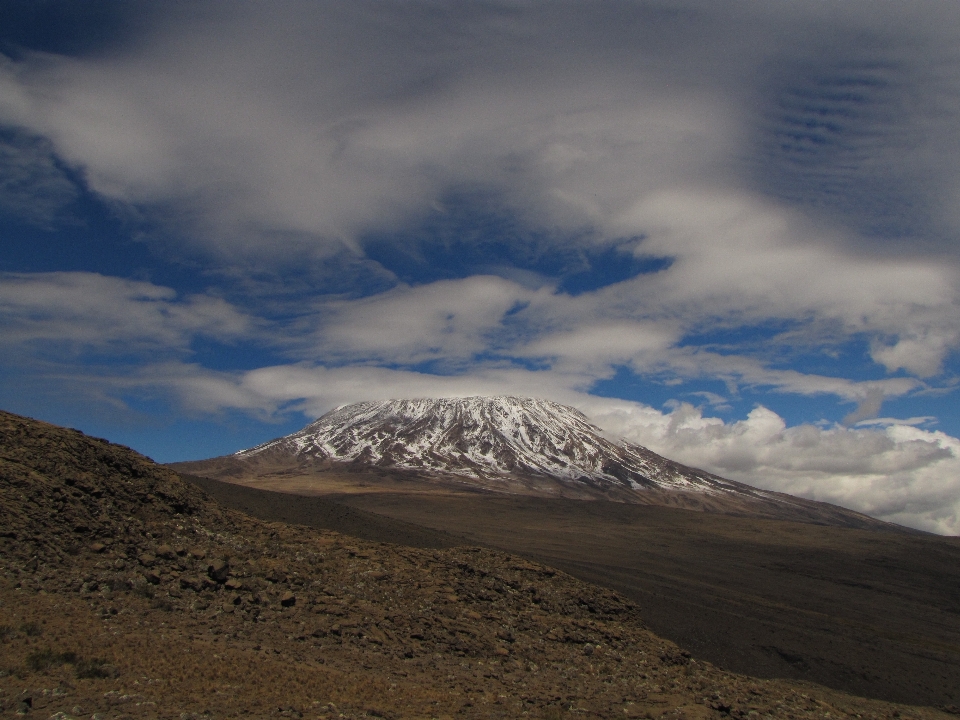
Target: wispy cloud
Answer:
pixel 76 312
pixel 33 187
pixel 447 320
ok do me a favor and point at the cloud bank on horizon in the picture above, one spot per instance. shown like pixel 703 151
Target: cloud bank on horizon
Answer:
pixel 727 232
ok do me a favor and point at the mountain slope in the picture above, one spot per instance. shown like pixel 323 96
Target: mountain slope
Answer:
pixel 488 439
pixel 507 445
pixel 152 601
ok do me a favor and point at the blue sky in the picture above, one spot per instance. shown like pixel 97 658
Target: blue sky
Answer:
pixel 725 231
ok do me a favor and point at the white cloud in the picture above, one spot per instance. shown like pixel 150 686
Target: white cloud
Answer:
pixel 326 121
pixel 888 421
pixel 588 336
pixel 740 260
pixel 261 130
pixel 448 320
pixel 595 347
pixel 305 120
pixel 313 389
pixel 82 311
pixel 899 473
pixel 456 322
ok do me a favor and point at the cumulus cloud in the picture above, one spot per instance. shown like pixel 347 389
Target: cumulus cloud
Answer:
pixel 898 473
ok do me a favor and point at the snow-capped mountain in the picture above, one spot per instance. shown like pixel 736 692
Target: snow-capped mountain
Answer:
pixel 487 439
pixel 521 446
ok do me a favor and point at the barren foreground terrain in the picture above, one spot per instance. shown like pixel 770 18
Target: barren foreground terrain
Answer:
pixel 126 592
pixel 868 612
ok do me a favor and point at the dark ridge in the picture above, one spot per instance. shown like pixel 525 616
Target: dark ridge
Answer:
pixel 323 514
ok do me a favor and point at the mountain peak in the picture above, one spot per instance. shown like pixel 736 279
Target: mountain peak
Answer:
pixel 502 444
pixel 496 442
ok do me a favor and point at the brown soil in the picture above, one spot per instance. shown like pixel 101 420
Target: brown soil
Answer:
pixel 125 592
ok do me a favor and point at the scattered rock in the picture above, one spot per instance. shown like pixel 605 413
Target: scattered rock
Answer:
pixel 218 571
pixel 276 576
pixel 190 582
pixel 675 656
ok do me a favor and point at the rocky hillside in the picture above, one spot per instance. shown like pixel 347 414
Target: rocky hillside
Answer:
pixel 125 592
pixel 510 445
